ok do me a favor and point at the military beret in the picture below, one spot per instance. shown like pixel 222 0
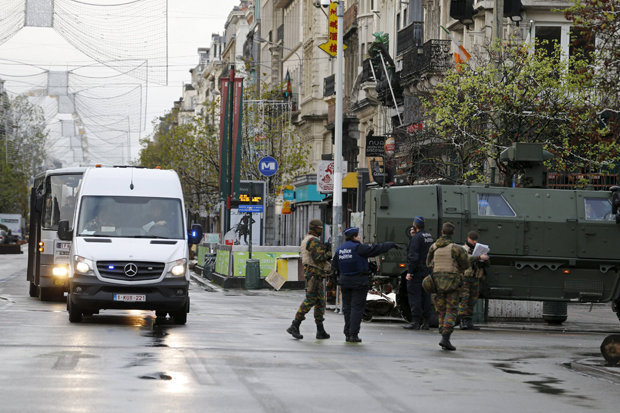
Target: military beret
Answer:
pixel 351 231
pixel 315 223
pixel 418 220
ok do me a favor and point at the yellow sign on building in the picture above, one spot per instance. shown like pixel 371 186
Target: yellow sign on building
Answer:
pixel 331 46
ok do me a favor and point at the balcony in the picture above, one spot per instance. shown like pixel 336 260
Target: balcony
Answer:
pixel 329 86
pixel 349 20
pixel 409 37
pixel 431 58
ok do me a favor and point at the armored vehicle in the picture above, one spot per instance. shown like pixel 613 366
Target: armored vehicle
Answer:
pixel 551 245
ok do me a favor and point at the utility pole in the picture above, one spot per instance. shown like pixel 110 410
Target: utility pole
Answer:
pixel 337 194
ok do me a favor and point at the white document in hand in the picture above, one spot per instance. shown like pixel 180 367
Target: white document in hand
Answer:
pixel 480 249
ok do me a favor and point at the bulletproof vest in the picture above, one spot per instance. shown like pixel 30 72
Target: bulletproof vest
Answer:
pixel 349 261
pixel 442 260
pixel 306 257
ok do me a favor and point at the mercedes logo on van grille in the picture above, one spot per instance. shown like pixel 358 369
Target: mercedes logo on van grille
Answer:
pixel 131 269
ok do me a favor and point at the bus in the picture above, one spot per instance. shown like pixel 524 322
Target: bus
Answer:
pixel 52 199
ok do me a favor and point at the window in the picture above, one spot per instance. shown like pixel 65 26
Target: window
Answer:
pixel 548 38
pixel 598 209
pixel 60 200
pixel 494 205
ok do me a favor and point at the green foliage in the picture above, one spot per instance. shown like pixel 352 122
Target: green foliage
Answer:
pixel 23 134
pixel 515 94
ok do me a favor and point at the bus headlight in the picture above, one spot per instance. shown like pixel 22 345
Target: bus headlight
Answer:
pixel 178 268
pixel 60 271
pixel 83 265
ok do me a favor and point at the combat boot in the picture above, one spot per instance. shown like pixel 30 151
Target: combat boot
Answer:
pixel 468 324
pixel 424 325
pixel 445 342
pixel 294 329
pixel 320 331
pixel 353 339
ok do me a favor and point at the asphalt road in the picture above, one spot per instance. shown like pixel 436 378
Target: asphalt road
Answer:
pixel 235 356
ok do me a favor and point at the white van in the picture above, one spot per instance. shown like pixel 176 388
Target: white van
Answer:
pixel 130 244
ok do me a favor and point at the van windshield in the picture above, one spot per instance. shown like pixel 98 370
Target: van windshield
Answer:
pixel 133 217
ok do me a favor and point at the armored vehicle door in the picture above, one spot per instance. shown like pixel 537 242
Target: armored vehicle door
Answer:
pixel 454 208
pixel 598 234
pixel 496 216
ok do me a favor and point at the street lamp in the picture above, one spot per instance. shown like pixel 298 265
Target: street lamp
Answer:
pixel 301 63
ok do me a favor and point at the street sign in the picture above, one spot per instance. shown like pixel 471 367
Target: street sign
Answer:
pixel 331 45
pixel 268 166
pixel 250 208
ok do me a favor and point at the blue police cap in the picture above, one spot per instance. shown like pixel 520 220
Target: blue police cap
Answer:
pixel 418 220
pixel 351 231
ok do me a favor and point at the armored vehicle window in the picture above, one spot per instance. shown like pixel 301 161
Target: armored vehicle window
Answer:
pixel 494 205
pixel 598 209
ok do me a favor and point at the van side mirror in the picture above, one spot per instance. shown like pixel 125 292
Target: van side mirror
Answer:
pixel 195 234
pixel 64 233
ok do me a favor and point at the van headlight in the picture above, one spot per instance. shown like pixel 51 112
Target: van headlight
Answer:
pixel 83 266
pixel 178 268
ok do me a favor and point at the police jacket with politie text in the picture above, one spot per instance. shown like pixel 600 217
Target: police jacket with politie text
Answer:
pixel 351 260
pixel 417 252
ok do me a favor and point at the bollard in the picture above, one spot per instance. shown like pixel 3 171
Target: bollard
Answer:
pixel 252 274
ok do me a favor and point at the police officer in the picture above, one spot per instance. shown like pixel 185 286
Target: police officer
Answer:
pixel 470 289
pixel 419 299
pixel 315 256
pixel 351 261
pixel 447 260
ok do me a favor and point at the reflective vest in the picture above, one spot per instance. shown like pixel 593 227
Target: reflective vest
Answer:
pixel 443 262
pixel 349 262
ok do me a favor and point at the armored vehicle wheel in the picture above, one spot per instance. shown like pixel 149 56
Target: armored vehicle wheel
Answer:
pixel 554 312
pixel 75 313
pixel 33 291
pixel 610 349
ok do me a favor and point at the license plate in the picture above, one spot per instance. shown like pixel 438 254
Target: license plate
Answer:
pixel 131 298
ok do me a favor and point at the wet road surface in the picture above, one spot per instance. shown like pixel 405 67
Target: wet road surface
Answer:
pixel 235 356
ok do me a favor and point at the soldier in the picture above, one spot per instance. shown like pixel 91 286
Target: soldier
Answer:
pixel 447 260
pixel 315 257
pixel 419 300
pixel 351 261
pixel 468 295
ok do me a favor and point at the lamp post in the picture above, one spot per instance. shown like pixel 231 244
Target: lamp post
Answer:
pixel 337 194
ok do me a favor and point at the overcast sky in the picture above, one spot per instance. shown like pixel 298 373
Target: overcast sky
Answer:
pixel 190 25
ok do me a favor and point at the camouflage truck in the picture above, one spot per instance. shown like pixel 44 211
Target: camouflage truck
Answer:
pixel 550 245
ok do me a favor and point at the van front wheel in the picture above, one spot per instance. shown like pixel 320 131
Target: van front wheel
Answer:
pixel 75 313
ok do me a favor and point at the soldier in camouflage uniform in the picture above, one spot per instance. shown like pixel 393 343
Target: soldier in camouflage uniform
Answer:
pixel 470 290
pixel 448 261
pixel 316 258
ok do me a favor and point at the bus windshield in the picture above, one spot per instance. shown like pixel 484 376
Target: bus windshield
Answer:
pixel 59 201
pixel 133 217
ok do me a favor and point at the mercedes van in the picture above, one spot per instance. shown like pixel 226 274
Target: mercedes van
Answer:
pixel 129 245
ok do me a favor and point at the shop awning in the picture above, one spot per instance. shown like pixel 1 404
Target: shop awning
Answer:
pixel 350 180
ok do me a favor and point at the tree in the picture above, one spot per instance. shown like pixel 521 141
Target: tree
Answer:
pixel 512 93
pixel 22 151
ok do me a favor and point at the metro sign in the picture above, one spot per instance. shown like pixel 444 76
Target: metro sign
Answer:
pixel 268 166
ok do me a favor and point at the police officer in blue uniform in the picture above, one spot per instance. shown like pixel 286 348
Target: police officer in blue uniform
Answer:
pixel 419 299
pixel 351 262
